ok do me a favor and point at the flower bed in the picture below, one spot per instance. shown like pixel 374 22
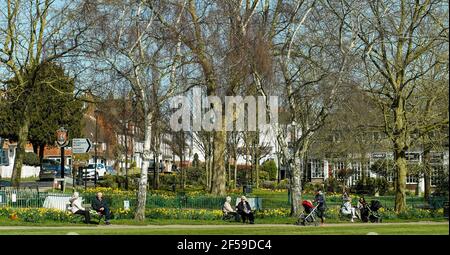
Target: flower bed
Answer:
pixel 43 214
pixel 36 214
pixel 410 213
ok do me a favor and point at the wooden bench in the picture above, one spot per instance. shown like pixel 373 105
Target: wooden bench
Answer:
pixel 94 214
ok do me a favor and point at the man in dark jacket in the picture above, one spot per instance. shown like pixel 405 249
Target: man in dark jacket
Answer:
pixel 244 209
pixel 100 205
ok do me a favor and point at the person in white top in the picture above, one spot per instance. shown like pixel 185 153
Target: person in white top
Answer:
pixel 347 209
pixel 77 208
pixel 228 209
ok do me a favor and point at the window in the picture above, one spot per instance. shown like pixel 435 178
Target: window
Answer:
pixel 411 179
pixel 3 157
pixel 316 169
pixel 338 166
pixel 437 172
pixel 357 173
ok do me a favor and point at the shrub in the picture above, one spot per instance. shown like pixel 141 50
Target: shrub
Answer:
pixel 332 185
pixel 270 167
pixel 382 185
pixel 284 184
pixel 371 186
pixel 268 185
pixel 109 181
pixel 193 175
pixel 31 159
pixel 263 176
pixel 310 187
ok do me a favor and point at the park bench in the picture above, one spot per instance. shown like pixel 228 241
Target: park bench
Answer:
pixel 255 202
pixel 94 214
pixel 230 217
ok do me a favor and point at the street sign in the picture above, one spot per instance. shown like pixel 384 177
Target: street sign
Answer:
pixel 61 137
pixel 80 145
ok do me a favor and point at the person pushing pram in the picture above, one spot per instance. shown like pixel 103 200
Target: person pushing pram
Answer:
pixel 369 212
pixel 311 212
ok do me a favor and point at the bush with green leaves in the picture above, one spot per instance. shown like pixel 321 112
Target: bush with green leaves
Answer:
pixel 270 167
pixel 284 184
pixel 372 186
pixel 268 184
pixel 31 159
pixel 264 176
pixel 193 175
pixel 310 187
pixel 332 185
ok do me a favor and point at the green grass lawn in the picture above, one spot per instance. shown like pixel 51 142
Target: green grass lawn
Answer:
pixel 394 229
pixel 289 220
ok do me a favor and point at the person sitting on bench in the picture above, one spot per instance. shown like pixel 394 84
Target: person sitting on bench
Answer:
pixel 228 210
pixel 100 205
pixel 348 210
pixel 245 210
pixel 77 208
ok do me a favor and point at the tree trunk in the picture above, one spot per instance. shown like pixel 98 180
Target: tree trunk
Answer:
pixel 142 193
pixel 401 167
pixel 363 164
pixel 400 148
pixel 126 156
pixel 257 171
pixel 183 171
pixel 210 170
pixel 20 151
pixel 41 155
pixel 295 187
pixel 207 171
pixel 427 172
pixel 218 180
pixel 235 171
pixel 157 164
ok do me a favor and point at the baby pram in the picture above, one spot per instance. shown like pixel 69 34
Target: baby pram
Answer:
pixel 308 217
pixel 370 212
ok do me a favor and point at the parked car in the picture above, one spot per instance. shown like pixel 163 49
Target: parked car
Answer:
pixel 4 183
pixel 51 169
pixel 110 170
pixel 92 173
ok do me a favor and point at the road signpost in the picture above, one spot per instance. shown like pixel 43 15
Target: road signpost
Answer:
pixel 81 145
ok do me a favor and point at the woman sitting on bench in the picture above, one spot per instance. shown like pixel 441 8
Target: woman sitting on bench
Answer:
pixel 228 210
pixel 76 208
pixel 245 210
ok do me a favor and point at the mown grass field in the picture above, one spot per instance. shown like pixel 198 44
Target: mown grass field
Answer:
pixel 359 229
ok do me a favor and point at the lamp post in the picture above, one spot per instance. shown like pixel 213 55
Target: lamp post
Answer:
pixel 95 147
pixel 294 124
pixel 61 140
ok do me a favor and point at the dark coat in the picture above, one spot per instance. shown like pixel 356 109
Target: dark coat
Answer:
pixel 240 207
pixel 320 199
pixel 97 204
